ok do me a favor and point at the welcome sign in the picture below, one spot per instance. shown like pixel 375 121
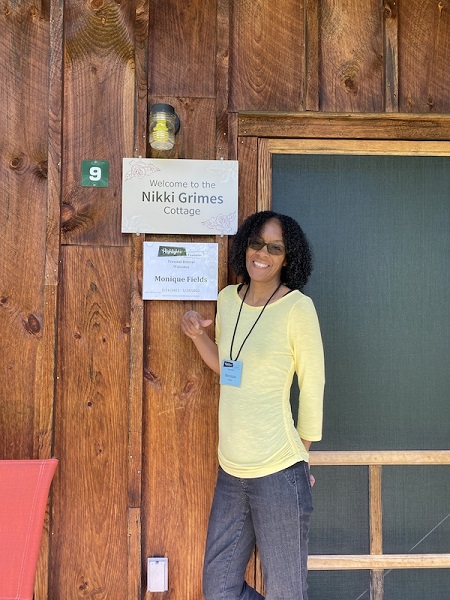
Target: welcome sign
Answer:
pixel 198 197
pixel 180 271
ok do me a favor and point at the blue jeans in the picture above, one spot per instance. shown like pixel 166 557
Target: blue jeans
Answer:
pixel 271 511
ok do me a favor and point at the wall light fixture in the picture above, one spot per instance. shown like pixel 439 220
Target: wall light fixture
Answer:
pixel 164 124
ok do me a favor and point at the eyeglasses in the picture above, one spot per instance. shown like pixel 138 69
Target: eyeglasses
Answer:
pixel 274 248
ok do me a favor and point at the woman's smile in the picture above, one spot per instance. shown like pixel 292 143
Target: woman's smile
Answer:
pixel 262 266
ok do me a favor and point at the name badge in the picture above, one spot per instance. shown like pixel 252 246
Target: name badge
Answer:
pixel 231 372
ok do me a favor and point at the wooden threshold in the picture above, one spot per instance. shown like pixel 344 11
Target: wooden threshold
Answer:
pixel 381 457
pixel 342 562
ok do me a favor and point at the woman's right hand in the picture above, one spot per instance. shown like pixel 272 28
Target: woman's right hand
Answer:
pixel 192 324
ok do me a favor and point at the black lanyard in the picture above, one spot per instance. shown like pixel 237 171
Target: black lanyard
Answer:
pixel 253 326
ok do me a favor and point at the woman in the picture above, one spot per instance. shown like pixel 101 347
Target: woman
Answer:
pixel 266 330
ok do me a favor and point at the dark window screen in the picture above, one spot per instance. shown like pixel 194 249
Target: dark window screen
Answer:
pixel 380 231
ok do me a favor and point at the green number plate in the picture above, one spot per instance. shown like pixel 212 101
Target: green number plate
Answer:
pixel 95 173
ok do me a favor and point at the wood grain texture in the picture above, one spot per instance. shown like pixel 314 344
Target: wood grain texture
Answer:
pixel 90 541
pixel 248 177
pixel 233 135
pixel 24 66
pixel 376 578
pixel 141 77
pixel 134 554
pixel 135 386
pixel 312 64
pixel 135 421
pixel 223 139
pixel 267 68
pixel 375 510
pixel 264 175
pixel 180 461
pixel 375 126
pixel 182 48
pixel 98 121
pixel 390 56
pixel 424 56
pixel 46 358
pixel 346 147
pixel 351 56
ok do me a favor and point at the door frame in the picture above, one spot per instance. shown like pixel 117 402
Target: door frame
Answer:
pixel 260 135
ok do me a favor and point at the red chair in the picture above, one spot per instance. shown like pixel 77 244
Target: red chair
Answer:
pixel 24 489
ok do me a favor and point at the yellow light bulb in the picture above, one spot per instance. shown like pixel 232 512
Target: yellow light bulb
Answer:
pixel 162 127
pixel 160 131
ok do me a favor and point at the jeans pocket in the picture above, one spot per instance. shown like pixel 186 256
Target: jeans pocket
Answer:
pixel 290 474
pixel 297 476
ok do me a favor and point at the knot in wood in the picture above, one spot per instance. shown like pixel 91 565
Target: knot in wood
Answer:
pixel 67 211
pixel 152 378
pixel 350 84
pixel 16 162
pixel 32 325
pixel 390 9
pixel 41 170
pixel 97 4
pixel 349 78
pixel 188 387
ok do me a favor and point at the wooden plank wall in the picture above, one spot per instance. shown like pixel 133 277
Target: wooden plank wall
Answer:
pixel 89 372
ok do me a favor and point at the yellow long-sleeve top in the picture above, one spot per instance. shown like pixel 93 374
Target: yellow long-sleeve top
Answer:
pixel 257 435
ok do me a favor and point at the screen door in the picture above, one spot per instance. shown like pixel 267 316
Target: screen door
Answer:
pixel 380 231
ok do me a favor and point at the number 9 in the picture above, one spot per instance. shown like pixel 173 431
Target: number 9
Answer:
pixel 95 173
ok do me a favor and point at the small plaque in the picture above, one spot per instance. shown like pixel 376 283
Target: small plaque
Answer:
pixel 95 173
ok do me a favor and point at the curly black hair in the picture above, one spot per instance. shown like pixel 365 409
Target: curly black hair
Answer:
pixel 299 259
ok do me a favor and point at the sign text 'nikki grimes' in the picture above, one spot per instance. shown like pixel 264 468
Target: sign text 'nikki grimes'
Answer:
pixel 183 197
